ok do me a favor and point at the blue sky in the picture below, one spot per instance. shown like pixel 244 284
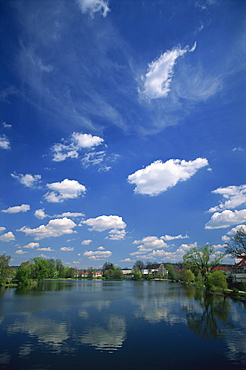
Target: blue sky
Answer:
pixel 122 132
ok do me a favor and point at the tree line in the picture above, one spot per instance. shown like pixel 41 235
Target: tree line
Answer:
pixel 197 266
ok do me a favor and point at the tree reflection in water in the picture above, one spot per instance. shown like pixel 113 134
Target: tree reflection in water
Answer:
pixel 206 318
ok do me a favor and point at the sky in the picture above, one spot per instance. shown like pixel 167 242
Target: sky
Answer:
pixel 122 129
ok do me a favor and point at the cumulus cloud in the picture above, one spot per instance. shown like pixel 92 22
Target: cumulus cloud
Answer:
pixel 4 142
pixel 66 189
pixel 86 242
pixel 70 148
pixel 2 228
pixel 54 228
pixel 152 242
pixel 45 249
pixel 7 237
pixel 17 209
pixel 102 223
pixel 39 213
pixel 169 237
pixel 232 232
pixel 233 197
pixel 158 176
pixel 27 180
pixel 98 254
pixel 221 220
pixel 157 80
pixel 31 245
pixel 116 234
pixel 20 251
pixel 94 6
pixel 67 249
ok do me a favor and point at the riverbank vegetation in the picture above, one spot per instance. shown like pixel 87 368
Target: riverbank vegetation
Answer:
pixel 200 267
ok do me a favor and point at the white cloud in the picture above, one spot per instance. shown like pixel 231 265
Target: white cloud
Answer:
pixel 169 237
pixel 116 234
pixel 6 125
pixel 54 228
pixel 39 213
pixel 232 232
pixel 86 242
pixel 20 251
pixel 70 148
pixel 27 180
pixel 233 196
pixel 220 220
pixel 4 142
pixel 2 228
pixel 101 248
pixel 151 242
pixel 31 245
pixel 66 189
pixel 71 214
pixel 97 254
pixel 158 79
pixel 158 176
pixel 17 209
pixel 66 249
pixel 7 237
pixel 45 249
pixel 93 158
pixel 94 6
pixel 102 223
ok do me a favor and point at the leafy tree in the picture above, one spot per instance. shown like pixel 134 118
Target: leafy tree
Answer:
pixel 171 273
pixel 139 264
pixel 117 273
pixel 60 268
pixel 217 279
pixel 4 268
pixel 237 244
pixel 188 276
pixel 108 269
pixel 39 268
pixel 69 272
pixel 23 275
pixel 137 273
pixel 201 257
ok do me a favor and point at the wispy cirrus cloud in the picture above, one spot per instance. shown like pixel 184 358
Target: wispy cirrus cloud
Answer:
pixel 157 80
pixel 159 177
pixel 94 6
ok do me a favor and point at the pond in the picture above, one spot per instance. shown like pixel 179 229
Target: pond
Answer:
pixel 120 325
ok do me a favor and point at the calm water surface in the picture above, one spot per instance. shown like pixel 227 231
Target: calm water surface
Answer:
pixel 120 325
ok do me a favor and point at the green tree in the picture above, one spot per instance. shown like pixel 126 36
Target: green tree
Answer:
pixel 117 273
pixel 69 272
pixel 188 276
pixel 23 275
pixel 137 273
pixel 217 279
pixel 171 272
pixel 39 268
pixel 108 269
pixel 4 268
pixel 237 244
pixel 60 268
